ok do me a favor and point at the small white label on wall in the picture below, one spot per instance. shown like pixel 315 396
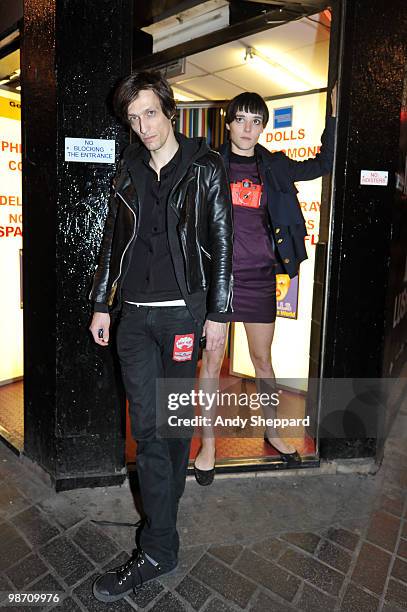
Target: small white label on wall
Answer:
pixel 90 150
pixel 374 177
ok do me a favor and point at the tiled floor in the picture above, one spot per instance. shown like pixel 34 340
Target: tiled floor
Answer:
pixel 314 543
pixel 12 413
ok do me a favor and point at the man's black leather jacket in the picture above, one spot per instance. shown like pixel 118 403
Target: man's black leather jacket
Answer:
pixel 200 232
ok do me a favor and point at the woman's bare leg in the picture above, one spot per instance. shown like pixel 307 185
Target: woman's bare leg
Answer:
pixel 260 338
pixel 209 382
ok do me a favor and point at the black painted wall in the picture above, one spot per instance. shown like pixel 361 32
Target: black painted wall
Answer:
pixel 373 63
pixel 73 53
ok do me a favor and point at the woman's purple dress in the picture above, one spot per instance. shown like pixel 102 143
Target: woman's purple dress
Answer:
pixel 254 263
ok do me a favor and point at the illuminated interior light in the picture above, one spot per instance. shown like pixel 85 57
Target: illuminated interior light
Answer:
pixel 4 81
pixel 275 71
pixel 183 96
pixel 18 87
pixel 295 69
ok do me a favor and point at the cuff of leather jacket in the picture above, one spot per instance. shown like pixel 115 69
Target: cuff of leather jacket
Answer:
pixel 99 307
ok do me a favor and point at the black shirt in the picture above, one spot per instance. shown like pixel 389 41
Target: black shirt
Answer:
pixel 151 276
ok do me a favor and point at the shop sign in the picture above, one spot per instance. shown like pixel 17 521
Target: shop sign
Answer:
pixel 90 150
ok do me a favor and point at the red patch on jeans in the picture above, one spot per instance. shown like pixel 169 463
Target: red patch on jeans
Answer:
pixel 183 347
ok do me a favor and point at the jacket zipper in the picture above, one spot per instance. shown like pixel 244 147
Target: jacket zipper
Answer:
pixel 131 239
pixel 206 252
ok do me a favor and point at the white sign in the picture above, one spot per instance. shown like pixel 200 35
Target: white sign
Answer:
pixel 90 150
pixel 374 177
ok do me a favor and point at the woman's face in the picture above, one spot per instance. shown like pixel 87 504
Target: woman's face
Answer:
pixel 244 131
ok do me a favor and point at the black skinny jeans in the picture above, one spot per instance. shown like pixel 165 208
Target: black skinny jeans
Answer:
pixel 145 342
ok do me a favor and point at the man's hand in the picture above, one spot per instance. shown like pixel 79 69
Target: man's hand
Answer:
pixel 334 99
pixel 100 321
pixel 215 334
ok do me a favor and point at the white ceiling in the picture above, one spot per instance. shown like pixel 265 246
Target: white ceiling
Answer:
pixel 292 57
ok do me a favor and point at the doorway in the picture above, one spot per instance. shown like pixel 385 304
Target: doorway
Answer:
pixel 11 254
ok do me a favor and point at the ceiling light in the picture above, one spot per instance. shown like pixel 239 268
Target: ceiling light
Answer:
pixel 18 87
pixel 274 70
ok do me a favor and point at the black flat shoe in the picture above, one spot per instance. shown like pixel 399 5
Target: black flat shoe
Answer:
pixel 204 477
pixel 290 459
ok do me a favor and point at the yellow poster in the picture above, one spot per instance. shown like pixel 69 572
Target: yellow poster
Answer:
pixel 11 242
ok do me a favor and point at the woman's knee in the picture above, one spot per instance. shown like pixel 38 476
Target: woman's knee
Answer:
pixel 261 361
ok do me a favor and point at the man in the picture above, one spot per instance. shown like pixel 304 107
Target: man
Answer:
pixel 269 232
pixel 166 258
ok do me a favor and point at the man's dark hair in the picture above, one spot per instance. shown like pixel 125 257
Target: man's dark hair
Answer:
pixel 131 86
pixel 248 102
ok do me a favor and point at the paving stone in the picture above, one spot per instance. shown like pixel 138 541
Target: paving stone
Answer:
pixel 216 605
pixel 195 593
pixel 62 510
pixel 314 601
pixel 391 608
pixel 97 545
pixel 147 593
pixel 32 488
pixel 11 500
pixel 383 530
pixel 268 574
pixel 188 557
pixel 404 532
pixel 66 559
pixel 343 537
pixel 226 553
pixel 356 600
pixel 314 571
pixel 270 548
pixel 371 568
pixel 307 541
pixel 48 584
pixel 263 603
pixel 168 603
pixel 5 583
pixel 223 580
pixel 334 556
pixel 26 571
pixel 399 570
pixel 67 605
pixel 393 502
pixel 397 593
pixel 402 549
pixel 84 593
pixel 13 547
pixel 36 528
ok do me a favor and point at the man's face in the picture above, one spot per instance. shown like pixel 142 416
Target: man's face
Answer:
pixel 244 131
pixel 148 120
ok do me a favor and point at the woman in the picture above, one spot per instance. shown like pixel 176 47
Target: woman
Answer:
pixel 269 233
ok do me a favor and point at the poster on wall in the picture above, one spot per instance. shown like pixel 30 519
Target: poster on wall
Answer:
pixel 295 127
pixel 11 241
pixel 287 296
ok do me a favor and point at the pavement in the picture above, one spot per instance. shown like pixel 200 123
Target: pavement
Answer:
pixel 314 542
